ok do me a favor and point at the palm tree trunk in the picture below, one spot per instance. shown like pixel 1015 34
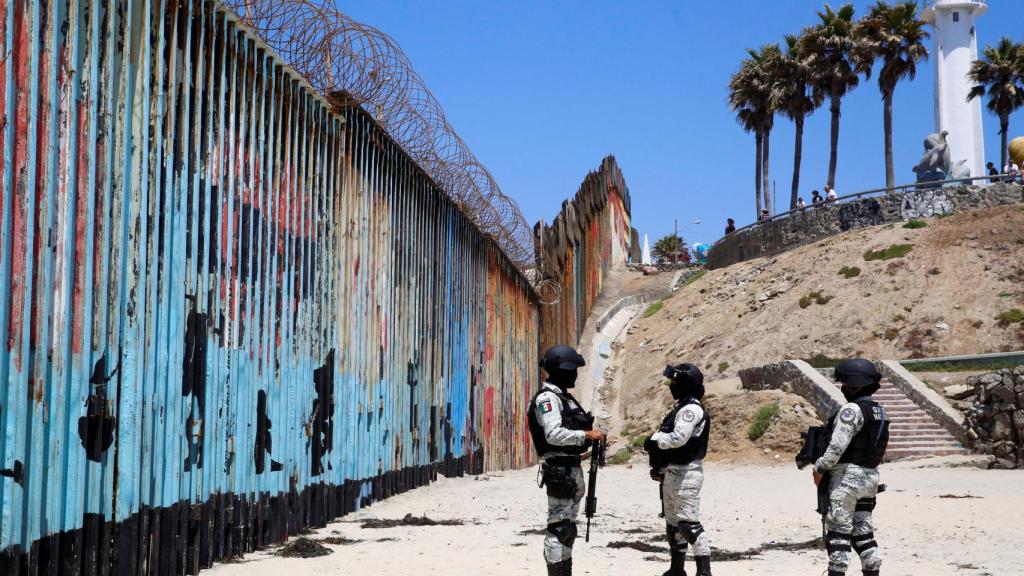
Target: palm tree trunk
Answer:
pixel 1004 128
pixel 833 156
pixel 890 176
pixel 798 152
pixel 766 189
pixel 757 176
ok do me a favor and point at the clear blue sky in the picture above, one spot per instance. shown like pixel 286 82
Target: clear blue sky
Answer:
pixel 542 90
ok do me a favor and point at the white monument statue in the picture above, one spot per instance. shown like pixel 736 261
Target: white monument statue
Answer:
pixel 645 256
pixel 956 47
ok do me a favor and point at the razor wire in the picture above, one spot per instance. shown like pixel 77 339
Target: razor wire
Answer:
pixel 352 63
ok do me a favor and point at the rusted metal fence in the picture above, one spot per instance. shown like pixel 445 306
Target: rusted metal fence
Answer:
pixel 230 310
pixel 590 234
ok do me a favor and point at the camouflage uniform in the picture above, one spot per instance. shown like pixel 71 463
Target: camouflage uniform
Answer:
pixel 852 492
pixel 682 484
pixel 562 512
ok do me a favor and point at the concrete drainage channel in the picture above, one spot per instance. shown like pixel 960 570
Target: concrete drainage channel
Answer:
pixel 609 328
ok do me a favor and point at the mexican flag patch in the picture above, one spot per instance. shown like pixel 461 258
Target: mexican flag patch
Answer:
pixel 545 407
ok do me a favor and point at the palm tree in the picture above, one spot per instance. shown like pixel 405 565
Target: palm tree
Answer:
pixel 744 97
pixel 829 46
pixel 768 64
pixel 894 35
pixel 1000 73
pixel 798 99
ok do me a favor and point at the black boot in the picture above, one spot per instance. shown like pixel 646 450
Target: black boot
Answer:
pixel 563 568
pixel 703 565
pixel 678 560
pixel 871 573
pixel 678 555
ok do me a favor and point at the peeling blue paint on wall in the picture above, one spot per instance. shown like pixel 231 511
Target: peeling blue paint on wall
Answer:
pixel 229 308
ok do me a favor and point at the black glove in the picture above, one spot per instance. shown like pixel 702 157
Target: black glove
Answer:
pixel 650 445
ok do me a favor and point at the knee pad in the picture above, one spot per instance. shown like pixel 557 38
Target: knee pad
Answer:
pixel 837 542
pixel 675 541
pixel 564 532
pixel 691 530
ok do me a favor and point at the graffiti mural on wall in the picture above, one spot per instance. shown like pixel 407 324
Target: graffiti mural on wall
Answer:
pixel 230 310
pixel 925 203
pixel 590 234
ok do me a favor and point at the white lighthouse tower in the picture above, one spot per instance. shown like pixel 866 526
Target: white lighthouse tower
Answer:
pixel 956 47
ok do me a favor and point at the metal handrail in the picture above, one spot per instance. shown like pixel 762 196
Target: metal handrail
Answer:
pixel 861 194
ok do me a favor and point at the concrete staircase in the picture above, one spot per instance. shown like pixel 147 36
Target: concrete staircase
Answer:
pixel 912 432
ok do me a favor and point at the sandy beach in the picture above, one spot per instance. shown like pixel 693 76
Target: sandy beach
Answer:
pixel 933 520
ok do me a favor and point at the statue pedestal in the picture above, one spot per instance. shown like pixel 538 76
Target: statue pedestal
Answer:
pixel 930 179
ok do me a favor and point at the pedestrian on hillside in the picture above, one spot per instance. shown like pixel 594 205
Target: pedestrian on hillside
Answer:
pixel 992 171
pixel 860 434
pixel 730 226
pixel 816 197
pixel 800 203
pixel 677 453
pixel 830 193
pixel 561 432
pixel 1012 171
pixel 764 216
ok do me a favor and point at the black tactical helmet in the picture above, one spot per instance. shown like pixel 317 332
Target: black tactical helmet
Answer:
pixel 684 374
pixel 859 377
pixel 562 357
pixel 686 381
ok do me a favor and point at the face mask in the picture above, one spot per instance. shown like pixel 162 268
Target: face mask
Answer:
pixel 677 392
pixel 562 378
pixel 852 394
pixel 680 391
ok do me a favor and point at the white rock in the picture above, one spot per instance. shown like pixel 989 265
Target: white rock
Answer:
pixel 958 391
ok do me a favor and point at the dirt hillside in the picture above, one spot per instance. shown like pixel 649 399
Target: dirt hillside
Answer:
pixel 940 298
pixel 732 411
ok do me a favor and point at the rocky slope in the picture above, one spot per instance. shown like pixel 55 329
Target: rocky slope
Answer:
pixel 952 292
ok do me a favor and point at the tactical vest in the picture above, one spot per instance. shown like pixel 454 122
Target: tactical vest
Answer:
pixel 696 448
pixel 867 447
pixel 572 419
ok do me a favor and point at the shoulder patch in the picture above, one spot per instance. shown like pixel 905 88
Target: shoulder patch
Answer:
pixel 688 415
pixel 545 407
pixel 847 416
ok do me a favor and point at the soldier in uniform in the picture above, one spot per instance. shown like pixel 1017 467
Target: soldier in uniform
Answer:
pixel 677 454
pixel 860 433
pixel 561 431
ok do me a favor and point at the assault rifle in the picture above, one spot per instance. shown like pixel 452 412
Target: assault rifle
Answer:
pixel 656 457
pixel 596 460
pixel 816 441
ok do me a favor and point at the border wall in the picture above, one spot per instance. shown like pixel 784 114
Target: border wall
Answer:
pixel 590 234
pixel 229 311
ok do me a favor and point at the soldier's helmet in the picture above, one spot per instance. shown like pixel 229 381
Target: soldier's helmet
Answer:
pixel 859 377
pixel 685 380
pixel 562 357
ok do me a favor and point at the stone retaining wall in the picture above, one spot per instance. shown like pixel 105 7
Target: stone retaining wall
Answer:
pixel 824 220
pixel 995 421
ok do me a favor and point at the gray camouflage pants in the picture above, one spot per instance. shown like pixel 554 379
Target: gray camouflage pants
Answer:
pixel 848 523
pixel 562 514
pixel 681 493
